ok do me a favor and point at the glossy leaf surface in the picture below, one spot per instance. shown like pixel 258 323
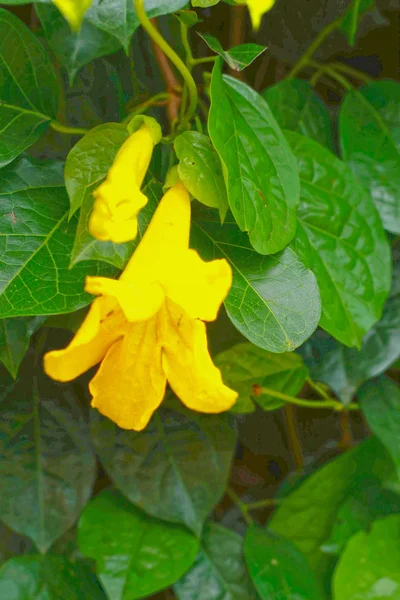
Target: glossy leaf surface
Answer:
pixel 238 57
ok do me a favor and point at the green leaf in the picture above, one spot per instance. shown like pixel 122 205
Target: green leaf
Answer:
pixel 36 242
pixel 47 467
pixel 297 107
pixel 47 577
pixel 245 366
pixel 200 170
pixel 307 515
pixel 204 3
pixel 340 237
pixel 74 49
pixel 351 17
pixel 380 403
pixel 274 300
pixel 219 571
pixel 366 502
pixel 29 90
pixel 188 17
pixel 118 17
pixel 152 469
pixel 136 555
pixel 369 126
pixel 369 566
pixel 345 369
pixel 278 569
pixel 15 335
pixel 238 57
pixel 259 168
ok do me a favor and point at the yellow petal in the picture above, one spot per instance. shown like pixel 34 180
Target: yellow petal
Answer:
pixel 130 384
pixel 103 325
pixel 187 363
pixel 118 199
pixel 137 303
pixel 73 10
pixel 257 9
pixel 199 287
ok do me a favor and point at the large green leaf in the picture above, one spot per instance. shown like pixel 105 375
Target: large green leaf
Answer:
pixel 74 49
pixel 246 367
pixel 278 569
pixel 238 57
pixel 370 565
pixel 307 515
pixel 274 300
pixel 29 90
pixel 349 23
pixel 135 555
pixel 15 335
pixel 118 17
pixel 219 571
pixel 380 403
pixel 152 468
pixel 297 107
pixel 340 237
pixel 259 168
pixel 369 126
pixel 36 242
pixel 200 170
pixel 47 467
pixel 47 577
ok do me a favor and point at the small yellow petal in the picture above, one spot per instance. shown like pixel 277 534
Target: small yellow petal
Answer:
pixel 130 384
pixel 257 9
pixel 137 303
pixel 73 10
pixel 118 199
pixel 199 287
pixel 187 362
pixel 103 325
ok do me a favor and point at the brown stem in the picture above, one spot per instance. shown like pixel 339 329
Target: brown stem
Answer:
pixel 346 440
pixel 237 32
pixel 293 434
pixel 170 79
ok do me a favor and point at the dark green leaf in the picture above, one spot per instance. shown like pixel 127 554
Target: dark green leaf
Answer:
pixel 340 237
pixel 345 369
pixel 307 515
pixel 369 566
pixel 118 17
pixel 274 300
pixel 297 107
pixel 219 571
pixel 366 502
pixel 369 137
pixel 47 467
pixel 246 367
pixel 278 569
pixel 351 17
pixel 237 58
pixel 380 403
pixel 48 577
pixel 15 335
pixel 136 555
pixel 36 242
pixel 259 168
pixel 29 91
pixel 152 468
pixel 200 170
pixel 74 49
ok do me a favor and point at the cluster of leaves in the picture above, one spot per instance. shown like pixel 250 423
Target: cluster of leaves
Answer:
pixel 311 236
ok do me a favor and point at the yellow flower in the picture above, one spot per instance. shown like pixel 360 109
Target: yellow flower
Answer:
pixel 73 10
pixel 257 8
pixel 147 327
pixel 118 199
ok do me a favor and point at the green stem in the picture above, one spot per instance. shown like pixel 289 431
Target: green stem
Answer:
pixel 318 388
pixel 309 53
pixel 173 57
pixel 203 59
pixel 156 100
pixel 242 506
pixel 66 129
pixel 268 502
pixel 331 403
pixel 332 73
pixel 351 72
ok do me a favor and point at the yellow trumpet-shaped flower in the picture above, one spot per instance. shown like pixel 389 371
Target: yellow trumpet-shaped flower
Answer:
pixel 118 199
pixel 147 327
pixel 257 9
pixel 73 10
